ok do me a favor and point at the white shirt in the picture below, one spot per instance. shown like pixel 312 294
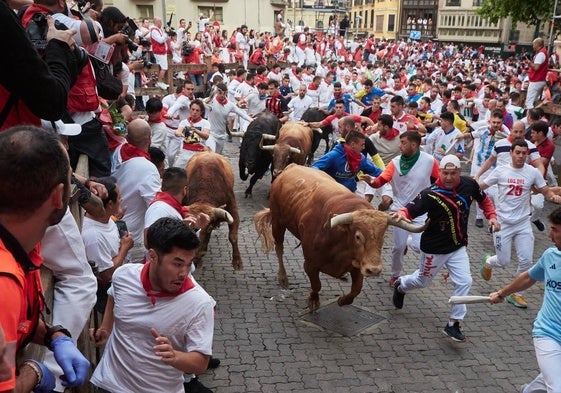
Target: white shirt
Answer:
pixel 101 241
pixel 129 364
pixel 180 108
pixel 157 210
pixel 299 105
pixel 139 181
pixel 514 188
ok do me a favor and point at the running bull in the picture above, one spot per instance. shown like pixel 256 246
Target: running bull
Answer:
pixel 340 232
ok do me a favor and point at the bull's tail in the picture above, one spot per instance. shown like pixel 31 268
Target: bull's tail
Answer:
pixel 264 229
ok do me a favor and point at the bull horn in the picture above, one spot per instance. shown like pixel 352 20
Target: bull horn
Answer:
pixel 295 150
pixel 268 148
pixel 317 130
pixel 223 215
pixel 407 225
pixel 342 219
pixel 238 134
pixel 265 137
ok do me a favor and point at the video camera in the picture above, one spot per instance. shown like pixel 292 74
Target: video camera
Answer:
pixel 37 33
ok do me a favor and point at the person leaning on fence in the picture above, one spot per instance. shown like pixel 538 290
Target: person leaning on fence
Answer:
pixel 27 208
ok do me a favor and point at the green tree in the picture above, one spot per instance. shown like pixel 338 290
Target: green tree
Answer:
pixel 533 13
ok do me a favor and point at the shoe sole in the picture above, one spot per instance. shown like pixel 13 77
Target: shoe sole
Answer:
pixel 398 297
pixel 454 338
pixel 481 269
pixel 516 304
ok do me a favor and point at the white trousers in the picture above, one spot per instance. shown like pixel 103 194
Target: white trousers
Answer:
pixel 535 90
pixel 216 145
pixel 457 263
pixel 548 354
pixel 400 241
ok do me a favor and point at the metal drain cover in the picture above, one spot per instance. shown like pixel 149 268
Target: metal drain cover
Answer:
pixel 347 320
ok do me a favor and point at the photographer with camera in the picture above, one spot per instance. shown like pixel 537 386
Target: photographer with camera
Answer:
pixel 32 87
pixel 159 39
pixel 82 97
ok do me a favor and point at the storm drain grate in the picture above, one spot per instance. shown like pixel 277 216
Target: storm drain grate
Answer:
pixel 347 320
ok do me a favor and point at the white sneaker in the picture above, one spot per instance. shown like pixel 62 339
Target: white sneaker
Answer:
pixel 162 85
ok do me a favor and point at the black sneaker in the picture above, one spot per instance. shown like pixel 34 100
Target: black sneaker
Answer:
pixel 479 223
pixel 398 297
pixel 454 332
pixel 195 386
pixel 539 225
pixel 213 363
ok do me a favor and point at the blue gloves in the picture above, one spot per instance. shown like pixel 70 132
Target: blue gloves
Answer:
pixel 47 382
pixel 74 365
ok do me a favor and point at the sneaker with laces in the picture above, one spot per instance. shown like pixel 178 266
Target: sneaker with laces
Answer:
pixel 162 85
pixel 398 297
pixel 195 386
pixel 393 280
pixel 517 300
pixel 479 223
pixel 454 332
pixel 486 271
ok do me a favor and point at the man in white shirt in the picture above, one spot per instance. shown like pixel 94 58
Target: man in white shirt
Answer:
pixel 168 315
pixel 299 104
pixel 139 180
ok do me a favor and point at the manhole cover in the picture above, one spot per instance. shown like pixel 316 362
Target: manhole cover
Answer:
pixel 347 320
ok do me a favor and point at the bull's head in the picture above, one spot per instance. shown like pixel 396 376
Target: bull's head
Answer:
pixel 282 157
pixel 367 227
pixel 249 153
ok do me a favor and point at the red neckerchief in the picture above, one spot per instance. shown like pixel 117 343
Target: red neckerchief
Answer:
pixel 391 134
pixel 163 196
pixel 312 87
pixel 238 79
pixel 129 151
pixel 222 100
pixel 160 119
pixel 337 96
pixel 145 280
pixel 353 158
pixel 193 121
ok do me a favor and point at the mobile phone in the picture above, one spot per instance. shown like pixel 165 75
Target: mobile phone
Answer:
pixel 122 227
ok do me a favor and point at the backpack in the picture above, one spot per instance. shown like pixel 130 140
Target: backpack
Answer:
pixel 255 57
pixel 295 38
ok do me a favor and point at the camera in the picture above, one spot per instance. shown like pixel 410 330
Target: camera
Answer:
pixel 37 33
pixel 129 29
pixel 121 227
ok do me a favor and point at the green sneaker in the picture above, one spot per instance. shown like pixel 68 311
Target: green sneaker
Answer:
pixel 486 271
pixel 517 301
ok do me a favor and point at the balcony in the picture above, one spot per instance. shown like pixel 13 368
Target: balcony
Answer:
pixel 278 3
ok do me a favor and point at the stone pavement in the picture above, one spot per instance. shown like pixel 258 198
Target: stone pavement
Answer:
pixel 265 346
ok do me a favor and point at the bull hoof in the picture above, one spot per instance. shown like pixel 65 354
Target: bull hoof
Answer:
pixel 313 301
pixel 237 264
pixel 248 195
pixel 345 300
pixel 283 282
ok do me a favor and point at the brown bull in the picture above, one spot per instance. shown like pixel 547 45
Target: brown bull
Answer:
pixel 340 232
pixel 293 145
pixel 211 185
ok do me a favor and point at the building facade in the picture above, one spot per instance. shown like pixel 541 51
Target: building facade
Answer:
pixel 256 14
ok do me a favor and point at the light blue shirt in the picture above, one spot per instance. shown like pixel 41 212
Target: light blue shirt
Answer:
pixel 548 270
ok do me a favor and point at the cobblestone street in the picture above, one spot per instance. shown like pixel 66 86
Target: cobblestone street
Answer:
pixel 264 345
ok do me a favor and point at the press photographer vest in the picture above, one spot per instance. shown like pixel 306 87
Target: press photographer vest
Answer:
pixel 82 97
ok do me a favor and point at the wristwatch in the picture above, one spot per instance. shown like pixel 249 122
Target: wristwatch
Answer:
pixel 51 331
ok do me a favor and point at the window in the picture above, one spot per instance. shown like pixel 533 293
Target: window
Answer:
pixel 453 3
pixel 477 3
pixel 145 11
pixel 391 23
pixel 379 23
pixel 218 13
pixel 372 19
